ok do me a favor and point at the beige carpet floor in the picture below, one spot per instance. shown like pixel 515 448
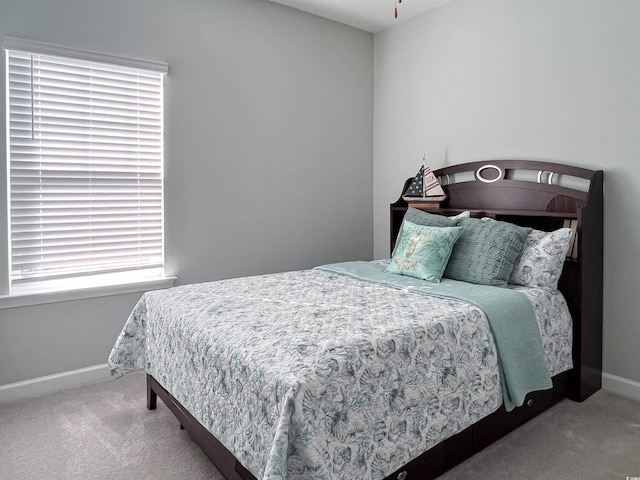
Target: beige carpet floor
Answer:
pixel 104 431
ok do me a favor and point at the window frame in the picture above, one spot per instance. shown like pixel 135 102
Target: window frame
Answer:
pixel 86 285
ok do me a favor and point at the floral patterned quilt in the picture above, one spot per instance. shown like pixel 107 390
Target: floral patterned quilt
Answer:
pixel 312 375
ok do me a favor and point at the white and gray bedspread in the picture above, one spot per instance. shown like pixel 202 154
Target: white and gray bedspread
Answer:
pixel 316 375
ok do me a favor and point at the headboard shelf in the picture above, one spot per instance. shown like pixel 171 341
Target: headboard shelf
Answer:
pixel 497 190
pixel 500 212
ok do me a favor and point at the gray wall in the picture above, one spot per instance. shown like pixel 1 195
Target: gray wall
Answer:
pixel 260 96
pixel 552 80
pixel 268 150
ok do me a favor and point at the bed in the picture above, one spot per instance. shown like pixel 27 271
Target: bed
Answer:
pixel 350 371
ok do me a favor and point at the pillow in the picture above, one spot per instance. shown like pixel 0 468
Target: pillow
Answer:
pixel 422 251
pixel 486 251
pixel 420 217
pixel 542 259
pixel 465 214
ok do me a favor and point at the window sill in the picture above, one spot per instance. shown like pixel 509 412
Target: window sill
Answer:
pixel 40 297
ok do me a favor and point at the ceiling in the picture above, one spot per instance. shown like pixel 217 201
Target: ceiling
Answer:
pixel 369 15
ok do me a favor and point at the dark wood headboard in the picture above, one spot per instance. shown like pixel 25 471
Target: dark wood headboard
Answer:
pixel 540 195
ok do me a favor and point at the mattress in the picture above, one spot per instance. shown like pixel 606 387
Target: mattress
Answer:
pixel 316 375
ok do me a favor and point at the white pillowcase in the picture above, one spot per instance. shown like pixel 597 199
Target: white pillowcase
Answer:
pixel 465 214
pixel 542 259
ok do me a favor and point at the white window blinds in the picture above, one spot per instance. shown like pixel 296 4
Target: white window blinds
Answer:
pixel 85 166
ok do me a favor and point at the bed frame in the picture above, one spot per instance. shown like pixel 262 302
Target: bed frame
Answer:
pixel 527 193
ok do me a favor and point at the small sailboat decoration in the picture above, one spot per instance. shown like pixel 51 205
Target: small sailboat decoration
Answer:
pixel 425 187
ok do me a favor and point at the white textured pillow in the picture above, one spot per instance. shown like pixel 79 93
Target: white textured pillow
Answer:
pixel 542 259
pixel 465 214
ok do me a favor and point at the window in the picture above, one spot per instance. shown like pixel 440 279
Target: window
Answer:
pixel 85 164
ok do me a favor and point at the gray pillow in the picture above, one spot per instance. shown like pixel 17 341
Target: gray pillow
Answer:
pixel 486 251
pixel 420 217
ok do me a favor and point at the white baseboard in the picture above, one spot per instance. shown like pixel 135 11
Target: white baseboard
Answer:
pixel 621 386
pixel 35 387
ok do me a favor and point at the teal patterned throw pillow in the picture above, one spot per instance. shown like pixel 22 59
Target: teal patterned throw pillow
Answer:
pixel 423 251
pixel 486 251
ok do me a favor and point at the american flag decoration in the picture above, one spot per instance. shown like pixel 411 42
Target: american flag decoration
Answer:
pixel 425 185
pixel 415 188
pixel 430 183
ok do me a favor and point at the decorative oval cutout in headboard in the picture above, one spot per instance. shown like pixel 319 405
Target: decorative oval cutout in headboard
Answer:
pixel 499 174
